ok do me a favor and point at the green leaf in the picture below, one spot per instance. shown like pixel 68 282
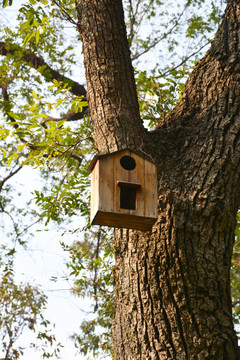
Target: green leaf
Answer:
pixel 37 36
pixel 7 3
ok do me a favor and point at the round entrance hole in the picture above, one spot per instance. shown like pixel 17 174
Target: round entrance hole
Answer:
pixel 128 163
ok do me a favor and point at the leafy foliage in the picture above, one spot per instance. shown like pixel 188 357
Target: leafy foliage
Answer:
pixel 92 265
pixel 21 310
pixel 159 93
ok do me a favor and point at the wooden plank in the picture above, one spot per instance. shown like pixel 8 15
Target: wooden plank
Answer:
pixel 106 183
pixel 137 176
pixel 120 175
pixel 123 221
pixel 128 184
pixel 94 190
pixel 150 192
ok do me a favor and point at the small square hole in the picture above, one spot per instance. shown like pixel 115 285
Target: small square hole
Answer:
pixel 127 198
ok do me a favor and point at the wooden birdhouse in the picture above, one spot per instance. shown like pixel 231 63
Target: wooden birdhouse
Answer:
pixel 123 190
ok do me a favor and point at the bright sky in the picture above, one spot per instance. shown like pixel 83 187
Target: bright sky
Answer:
pixel 45 259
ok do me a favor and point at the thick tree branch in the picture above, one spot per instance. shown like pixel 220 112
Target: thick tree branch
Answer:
pixel 222 60
pixel 70 116
pixel 211 93
pixel 172 283
pixel 111 86
pixel 40 65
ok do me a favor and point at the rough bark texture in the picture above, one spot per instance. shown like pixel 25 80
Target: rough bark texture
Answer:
pixel 111 87
pixel 172 284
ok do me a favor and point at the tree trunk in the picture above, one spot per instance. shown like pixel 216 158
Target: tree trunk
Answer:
pixel 172 283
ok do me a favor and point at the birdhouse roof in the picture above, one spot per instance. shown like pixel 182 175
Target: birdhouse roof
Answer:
pixel 96 157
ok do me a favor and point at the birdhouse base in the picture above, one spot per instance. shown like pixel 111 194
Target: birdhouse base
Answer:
pixel 123 220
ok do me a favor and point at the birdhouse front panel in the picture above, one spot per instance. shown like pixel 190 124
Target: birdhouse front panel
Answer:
pixel 130 181
pixel 124 191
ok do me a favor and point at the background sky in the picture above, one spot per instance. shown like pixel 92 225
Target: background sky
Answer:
pixel 43 260
pixel 45 257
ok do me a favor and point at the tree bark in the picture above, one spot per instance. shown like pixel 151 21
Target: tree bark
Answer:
pixel 172 283
pixel 111 89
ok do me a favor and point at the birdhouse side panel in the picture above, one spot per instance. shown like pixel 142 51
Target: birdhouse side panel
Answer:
pixel 94 190
pixel 106 184
pixel 150 190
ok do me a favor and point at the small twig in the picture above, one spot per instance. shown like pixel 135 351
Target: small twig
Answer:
pixel 95 285
pixel 136 56
pixel 185 60
pixel 237 302
pixel 140 148
pixel 28 227
pixel 65 13
pixel 12 173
